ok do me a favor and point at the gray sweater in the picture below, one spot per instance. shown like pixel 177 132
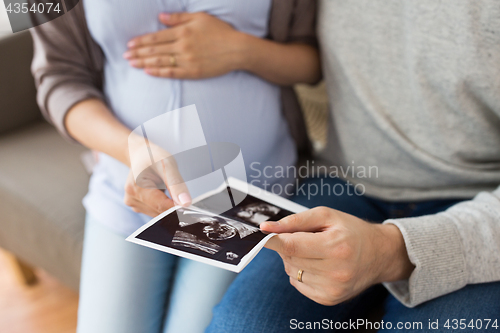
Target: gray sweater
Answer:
pixel 414 89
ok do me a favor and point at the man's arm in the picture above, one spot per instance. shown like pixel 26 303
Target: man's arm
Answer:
pixel 423 258
pixel 340 254
pixel 451 249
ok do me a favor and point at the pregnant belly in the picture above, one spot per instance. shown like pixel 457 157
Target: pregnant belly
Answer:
pixel 237 107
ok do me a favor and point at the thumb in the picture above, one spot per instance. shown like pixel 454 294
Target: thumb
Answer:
pixel 172 19
pixel 312 220
pixel 174 182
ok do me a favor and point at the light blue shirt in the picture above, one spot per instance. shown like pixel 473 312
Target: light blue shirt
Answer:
pixel 237 107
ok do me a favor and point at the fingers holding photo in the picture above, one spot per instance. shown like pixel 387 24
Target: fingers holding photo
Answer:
pixel 312 220
pixel 299 244
pixel 147 179
pixel 339 254
pixel 149 201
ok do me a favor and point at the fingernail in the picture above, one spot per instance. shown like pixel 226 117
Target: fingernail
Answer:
pixel 184 199
pixel 127 55
pixel 131 43
pixel 164 16
pixel 271 223
pixel 134 63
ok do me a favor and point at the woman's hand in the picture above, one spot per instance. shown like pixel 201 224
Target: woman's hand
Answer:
pixel 197 45
pixel 91 123
pixel 151 201
pixel 340 254
pixel 146 180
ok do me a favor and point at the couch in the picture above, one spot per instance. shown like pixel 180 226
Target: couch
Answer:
pixel 42 179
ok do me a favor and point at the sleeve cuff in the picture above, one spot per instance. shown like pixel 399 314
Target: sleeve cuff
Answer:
pixel 435 248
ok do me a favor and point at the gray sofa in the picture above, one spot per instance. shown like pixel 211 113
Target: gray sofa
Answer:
pixel 42 180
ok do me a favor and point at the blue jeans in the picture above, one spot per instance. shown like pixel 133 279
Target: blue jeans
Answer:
pixel 262 300
pixel 129 288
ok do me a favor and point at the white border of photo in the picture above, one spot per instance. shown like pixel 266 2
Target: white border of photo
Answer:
pixel 237 185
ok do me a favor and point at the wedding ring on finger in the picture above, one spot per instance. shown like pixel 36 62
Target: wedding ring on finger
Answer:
pixel 173 60
pixel 299 275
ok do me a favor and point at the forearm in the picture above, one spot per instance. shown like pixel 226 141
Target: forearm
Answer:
pixel 282 64
pixel 92 124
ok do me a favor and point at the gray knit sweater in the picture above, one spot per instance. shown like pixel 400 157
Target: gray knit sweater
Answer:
pixel 414 89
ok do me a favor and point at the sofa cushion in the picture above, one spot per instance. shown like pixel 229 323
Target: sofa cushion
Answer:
pixel 42 183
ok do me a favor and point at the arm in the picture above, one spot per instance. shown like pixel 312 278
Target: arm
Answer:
pixel 92 124
pixel 341 255
pixel 66 69
pixel 66 66
pixel 418 259
pixel 199 45
pixel 282 64
pixel 451 249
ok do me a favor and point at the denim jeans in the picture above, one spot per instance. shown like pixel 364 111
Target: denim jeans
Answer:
pixel 129 288
pixel 261 298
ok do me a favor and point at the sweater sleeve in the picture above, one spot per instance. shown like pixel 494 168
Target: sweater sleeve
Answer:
pixel 451 249
pixel 65 66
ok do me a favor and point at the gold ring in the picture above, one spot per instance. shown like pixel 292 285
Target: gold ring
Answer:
pixel 173 60
pixel 299 275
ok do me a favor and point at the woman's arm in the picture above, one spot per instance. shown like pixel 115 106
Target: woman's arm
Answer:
pixel 66 67
pixel 283 64
pixel 92 124
pixel 198 45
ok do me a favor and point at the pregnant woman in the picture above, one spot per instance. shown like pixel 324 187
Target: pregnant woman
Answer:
pixel 105 68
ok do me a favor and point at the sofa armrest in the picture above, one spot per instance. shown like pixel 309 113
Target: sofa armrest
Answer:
pixel 17 89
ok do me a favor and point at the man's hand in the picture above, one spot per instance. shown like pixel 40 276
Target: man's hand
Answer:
pixel 197 45
pixel 340 254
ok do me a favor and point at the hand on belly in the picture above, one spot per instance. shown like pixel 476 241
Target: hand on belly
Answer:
pixel 196 46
